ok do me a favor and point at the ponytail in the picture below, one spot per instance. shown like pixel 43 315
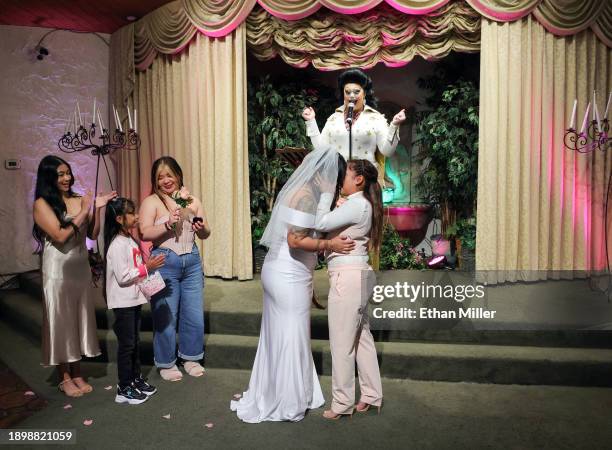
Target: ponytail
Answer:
pixel 373 194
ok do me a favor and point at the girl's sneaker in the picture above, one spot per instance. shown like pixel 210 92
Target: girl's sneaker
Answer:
pixel 144 387
pixel 130 394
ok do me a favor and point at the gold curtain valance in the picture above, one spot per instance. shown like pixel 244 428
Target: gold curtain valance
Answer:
pixel 330 41
pixel 170 28
pixel 559 17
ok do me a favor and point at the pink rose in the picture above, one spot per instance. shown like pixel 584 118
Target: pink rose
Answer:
pixel 184 193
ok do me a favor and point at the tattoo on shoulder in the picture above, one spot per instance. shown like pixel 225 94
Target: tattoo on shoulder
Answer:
pixel 306 203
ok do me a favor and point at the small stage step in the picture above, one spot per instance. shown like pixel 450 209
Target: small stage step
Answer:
pixel 234 307
pixel 473 360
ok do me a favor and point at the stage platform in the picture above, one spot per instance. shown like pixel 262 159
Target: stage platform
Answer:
pixel 546 355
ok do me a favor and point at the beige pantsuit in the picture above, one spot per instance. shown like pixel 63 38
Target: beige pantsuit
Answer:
pixel 350 289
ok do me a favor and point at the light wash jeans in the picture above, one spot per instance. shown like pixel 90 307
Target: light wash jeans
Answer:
pixel 180 301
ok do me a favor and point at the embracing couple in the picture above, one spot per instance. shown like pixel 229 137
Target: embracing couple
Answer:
pixel 284 382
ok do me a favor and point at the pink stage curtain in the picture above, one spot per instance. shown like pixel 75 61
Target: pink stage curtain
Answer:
pixel 192 106
pixel 331 41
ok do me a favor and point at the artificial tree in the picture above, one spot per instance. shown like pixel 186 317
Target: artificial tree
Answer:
pixel 275 122
pixel 447 134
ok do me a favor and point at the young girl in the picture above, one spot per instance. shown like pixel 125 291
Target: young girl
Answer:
pixel 124 268
pixel 352 279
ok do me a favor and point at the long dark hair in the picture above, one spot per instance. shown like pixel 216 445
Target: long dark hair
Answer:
pixel 46 188
pixel 173 167
pixel 373 194
pixel 359 77
pixel 117 207
pixel 340 179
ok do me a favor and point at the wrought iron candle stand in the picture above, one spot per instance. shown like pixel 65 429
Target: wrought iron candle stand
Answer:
pixel 595 138
pixel 82 140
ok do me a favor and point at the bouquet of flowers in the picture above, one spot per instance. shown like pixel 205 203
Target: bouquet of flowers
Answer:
pixel 182 197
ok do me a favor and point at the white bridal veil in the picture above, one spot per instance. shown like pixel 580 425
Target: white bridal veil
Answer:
pixel 296 203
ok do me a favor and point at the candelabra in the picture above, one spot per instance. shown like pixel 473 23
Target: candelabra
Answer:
pixel 77 138
pixel 591 138
pixel 595 137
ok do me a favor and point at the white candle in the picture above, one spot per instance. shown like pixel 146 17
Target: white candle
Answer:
pixel 93 114
pixel 119 119
pixel 68 122
pixel 594 103
pixel 100 123
pixel 586 118
pixel 597 117
pixel 76 127
pixel 116 117
pixel 608 105
pixel 80 118
pixel 129 118
pixel 135 120
pixel 572 124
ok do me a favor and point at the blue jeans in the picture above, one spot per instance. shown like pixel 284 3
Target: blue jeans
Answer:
pixel 181 300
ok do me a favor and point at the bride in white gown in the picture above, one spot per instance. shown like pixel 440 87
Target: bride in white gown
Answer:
pixel 284 382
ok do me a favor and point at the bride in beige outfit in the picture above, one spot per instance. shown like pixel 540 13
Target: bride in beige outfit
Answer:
pixel 352 280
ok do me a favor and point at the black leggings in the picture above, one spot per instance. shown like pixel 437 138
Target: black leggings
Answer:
pixel 127 329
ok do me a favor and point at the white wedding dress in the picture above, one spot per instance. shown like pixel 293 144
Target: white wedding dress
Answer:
pixel 284 382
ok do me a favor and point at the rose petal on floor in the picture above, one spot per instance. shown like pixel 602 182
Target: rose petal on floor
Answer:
pixel 67 406
pixel 108 388
pixel 167 416
pixel 87 422
pixel 209 425
pixel 29 394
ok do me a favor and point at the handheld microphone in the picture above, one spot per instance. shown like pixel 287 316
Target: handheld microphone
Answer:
pixel 349 116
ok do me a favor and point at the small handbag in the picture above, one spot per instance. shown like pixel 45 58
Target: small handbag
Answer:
pixel 152 284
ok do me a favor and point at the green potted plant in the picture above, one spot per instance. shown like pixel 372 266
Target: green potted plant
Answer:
pixel 397 253
pixel 447 137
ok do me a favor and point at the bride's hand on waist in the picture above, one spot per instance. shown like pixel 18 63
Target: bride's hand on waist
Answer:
pixel 342 244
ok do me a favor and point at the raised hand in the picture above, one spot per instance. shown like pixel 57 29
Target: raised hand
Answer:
pixel 342 244
pixel 399 118
pixel 155 262
pixel 308 113
pixel 103 199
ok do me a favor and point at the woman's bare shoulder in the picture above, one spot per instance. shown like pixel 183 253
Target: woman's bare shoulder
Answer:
pixel 151 200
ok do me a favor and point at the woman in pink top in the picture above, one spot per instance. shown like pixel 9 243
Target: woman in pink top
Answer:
pixel 173 229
